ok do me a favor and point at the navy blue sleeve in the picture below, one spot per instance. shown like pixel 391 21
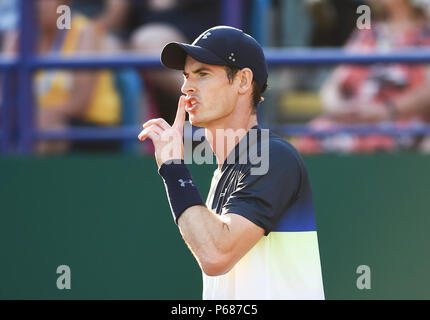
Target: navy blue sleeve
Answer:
pixel 263 199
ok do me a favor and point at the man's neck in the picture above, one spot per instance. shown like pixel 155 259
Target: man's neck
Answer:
pixel 223 137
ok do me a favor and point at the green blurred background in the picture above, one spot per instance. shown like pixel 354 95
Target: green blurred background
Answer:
pixel 108 219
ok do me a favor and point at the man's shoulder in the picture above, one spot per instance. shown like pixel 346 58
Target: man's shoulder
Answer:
pixel 275 155
pixel 281 150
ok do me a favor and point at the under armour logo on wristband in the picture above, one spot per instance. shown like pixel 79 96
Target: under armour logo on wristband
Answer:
pixel 186 181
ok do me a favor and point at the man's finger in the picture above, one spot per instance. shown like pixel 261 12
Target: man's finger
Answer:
pixel 148 134
pixel 152 132
pixel 159 122
pixel 180 114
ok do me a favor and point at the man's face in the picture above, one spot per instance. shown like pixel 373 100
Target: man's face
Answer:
pixel 211 97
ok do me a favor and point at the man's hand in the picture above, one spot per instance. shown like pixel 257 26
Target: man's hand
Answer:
pixel 167 140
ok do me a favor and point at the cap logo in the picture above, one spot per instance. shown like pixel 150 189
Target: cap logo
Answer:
pixel 206 35
pixel 231 57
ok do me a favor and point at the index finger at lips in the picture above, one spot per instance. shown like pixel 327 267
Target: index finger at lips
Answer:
pixel 180 114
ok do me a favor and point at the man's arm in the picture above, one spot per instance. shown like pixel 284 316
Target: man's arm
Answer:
pixel 217 242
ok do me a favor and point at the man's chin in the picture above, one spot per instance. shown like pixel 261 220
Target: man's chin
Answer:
pixel 195 122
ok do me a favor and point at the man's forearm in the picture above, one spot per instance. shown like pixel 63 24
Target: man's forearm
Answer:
pixel 202 230
pixel 207 236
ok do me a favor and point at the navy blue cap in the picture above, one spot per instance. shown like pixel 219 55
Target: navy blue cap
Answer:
pixel 221 45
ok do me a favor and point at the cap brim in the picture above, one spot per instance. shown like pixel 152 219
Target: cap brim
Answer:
pixel 174 54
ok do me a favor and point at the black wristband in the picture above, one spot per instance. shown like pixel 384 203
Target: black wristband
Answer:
pixel 180 188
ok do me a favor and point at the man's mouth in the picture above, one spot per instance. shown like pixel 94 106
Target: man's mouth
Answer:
pixel 190 104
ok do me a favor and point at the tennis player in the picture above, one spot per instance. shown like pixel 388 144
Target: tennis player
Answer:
pixel 255 237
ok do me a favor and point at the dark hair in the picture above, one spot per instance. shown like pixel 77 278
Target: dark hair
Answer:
pixel 256 91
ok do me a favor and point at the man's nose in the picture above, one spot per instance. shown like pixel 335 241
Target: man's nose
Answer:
pixel 188 87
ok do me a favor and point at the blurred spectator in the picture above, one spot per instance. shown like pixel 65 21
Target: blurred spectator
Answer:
pixel 108 16
pixel 68 98
pixel 190 17
pixel 112 14
pixel 9 15
pixel 303 23
pixel 380 92
pixel 333 21
pixel 162 87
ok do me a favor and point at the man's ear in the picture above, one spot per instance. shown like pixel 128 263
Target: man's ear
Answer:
pixel 245 77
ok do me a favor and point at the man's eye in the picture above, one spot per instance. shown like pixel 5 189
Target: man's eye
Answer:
pixel 202 74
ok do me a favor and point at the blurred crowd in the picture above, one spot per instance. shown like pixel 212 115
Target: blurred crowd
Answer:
pixel 322 98
pixel 394 94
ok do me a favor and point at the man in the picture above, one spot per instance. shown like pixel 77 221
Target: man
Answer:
pixel 256 237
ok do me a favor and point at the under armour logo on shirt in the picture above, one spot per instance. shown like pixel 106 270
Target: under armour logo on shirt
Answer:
pixel 206 35
pixel 186 181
